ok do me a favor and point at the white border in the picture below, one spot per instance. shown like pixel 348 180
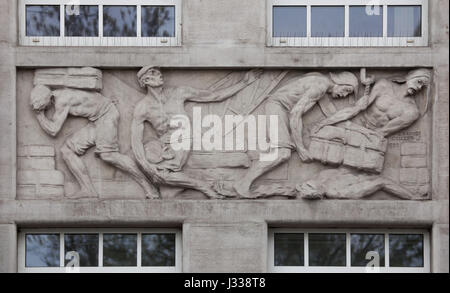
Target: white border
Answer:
pixel 100 269
pixel 100 40
pixel 347 41
pixel 347 269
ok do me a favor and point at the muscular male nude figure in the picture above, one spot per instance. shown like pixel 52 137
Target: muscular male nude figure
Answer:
pixel 290 103
pixel 389 108
pixel 101 132
pixel 160 105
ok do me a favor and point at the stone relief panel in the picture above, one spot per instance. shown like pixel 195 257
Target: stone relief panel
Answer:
pixel 197 134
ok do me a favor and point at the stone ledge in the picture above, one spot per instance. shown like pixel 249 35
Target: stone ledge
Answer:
pixel 274 212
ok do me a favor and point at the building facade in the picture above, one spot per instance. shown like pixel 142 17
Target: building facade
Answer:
pixel 351 173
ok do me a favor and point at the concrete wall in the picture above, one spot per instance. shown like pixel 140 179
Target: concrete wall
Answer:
pixel 217 35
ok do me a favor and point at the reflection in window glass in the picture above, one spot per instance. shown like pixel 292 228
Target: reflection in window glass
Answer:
pixel 327 21
pixel 158 250
pixel 119 250
pixel 289 249
pixel 327 250
pixel 81 21
pixel 406 250
pixel 86 245
pixel 158 21
pixel 43 20
pixel 289 21
pixel 404 21
pixel 361 244
pixel 366 23
pixel 42 250
pixel 119 21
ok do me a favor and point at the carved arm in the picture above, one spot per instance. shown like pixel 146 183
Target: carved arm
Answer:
pixel 52 127
pixel 306 102
pixel 347 113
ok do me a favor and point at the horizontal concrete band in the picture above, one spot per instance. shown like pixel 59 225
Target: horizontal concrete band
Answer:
pixel 237 56
pixel 277 213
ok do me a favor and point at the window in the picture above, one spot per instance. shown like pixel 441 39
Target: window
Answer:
pixel 106 250
pixel 353 251
pixel 347 23
pixel 100 22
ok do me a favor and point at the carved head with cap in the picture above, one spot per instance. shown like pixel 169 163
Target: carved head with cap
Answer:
pixel 345 83
pixel 150 76
pixel 41 97
pixel 417 79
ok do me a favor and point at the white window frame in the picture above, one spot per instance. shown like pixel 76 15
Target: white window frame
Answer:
pixel 347 41
pixel 100 269
pixel 348 268
pixel 137 41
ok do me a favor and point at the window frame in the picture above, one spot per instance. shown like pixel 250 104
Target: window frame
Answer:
pixel 347 41
pixel 348 268
pixel 100 268
pixel 137 41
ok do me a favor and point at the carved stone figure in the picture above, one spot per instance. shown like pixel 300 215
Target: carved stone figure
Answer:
pixel 290 103
pixel 389 108
pixel 101 132
pixel 159 161
pixel 348 183
pixel 361 144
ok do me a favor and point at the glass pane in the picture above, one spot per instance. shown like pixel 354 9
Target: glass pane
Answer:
pixel 119 21
pixel 158 250
pixel 42 250
pixel 119 250
pixel 327 250
pixel 327 21
pixel 361 244
pixel 404 21
pixel 86 245
pixel 289 249
pixel 43 20
pixel 158 21
pixel 366 21
pixel 289 21
pixel 81 20
pixel 405 250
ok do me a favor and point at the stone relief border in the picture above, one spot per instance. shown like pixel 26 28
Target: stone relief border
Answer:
pixel 351 142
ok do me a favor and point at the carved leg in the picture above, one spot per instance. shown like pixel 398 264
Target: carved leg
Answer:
pixel 181 180
pixel 397 190
pixel 127 165
pixel 79 170
pixel 369 186
pixel 242 186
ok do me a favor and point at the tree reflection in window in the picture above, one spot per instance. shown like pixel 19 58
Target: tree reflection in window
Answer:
pixel 85 24
pixel 361 244
pixel 119 21
pixel 43 20
pixel 158 250
pixel 86 245
pixel 42 250
pixel 327 21
pixel 119 250
pixel 289 249
pixel 406 250
pixel 405 21
pixel 158 21
pixel 327 249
